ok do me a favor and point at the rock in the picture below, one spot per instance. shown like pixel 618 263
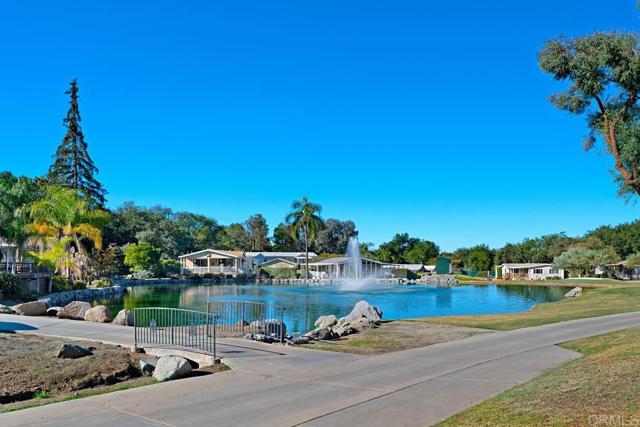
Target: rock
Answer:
pixel 171 367
pixel 264 338
pixel 124 318
pixel 53 311
pixel 312 333
pixel 248 336
pixel 148 366
pixel 362 324
pixel 269 326
pixel 99 313
pixel 6 310
pixel 33 308
pixel 326 334
pixel 326 321
pixel 300 340
pixel 366 310
pixel 342 321
pixel 575 292
pixel 74 310
pixel 72 351
pixel 343 330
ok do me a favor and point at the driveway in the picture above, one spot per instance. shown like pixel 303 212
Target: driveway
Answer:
pixel 292 387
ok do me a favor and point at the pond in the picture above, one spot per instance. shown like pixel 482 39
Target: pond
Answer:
pixel 305 303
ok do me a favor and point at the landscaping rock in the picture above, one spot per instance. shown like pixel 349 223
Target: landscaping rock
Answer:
pixel 123 318
pixel 575 292
pixel 248 336
pixel 72 351
pixel 269 326
pixel 300 340
pixel 33 308
pixel 147 366
pixel 343 330
pixel 100 314
pixel 171 367
pixel 326 334
pixel 312 333
pixel 53 311
pixel 74 310
pixel 366 310
pixel 6 310
pixel 326 321
pixel 362 324
pixel 342 321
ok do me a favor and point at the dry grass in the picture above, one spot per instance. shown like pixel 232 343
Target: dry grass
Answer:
pixel 394 336
pixel 600 388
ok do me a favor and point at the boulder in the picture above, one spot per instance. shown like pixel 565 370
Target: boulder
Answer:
pixel 575 292
pixel 326 334
pixel 72 351
pixel 362 324
pixel 147 366
pixel 6 310
pixel 99 313
pixel 33 308
pixel 124 318
pixel 342 321
pixel 366 310
pixel 74 310
pixel 53 311
pixel 343 330
pixel 171 367
pixel 326 321
pixel 268 326
pixel 300 340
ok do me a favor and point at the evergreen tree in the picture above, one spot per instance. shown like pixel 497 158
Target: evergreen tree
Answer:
pixel 72 166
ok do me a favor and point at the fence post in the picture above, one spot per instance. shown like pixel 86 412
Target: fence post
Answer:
pixel 214 337
pixel 135 331
pixel 171 321
pixel 281 324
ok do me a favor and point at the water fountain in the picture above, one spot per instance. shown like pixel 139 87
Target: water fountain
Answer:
pixel 353 277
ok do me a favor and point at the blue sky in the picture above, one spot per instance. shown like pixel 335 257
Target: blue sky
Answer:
pixel 405 116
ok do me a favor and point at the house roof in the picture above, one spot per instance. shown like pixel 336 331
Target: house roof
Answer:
pixel 281 254
pixel 205 252
pixel 278 261
pixel 340 260
pixel 410 267
pixel 527 265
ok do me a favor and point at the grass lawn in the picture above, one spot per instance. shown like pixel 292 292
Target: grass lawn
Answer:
pixel 619 298
pixel 600 388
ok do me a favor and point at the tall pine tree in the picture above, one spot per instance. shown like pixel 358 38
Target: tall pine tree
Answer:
pixel 72 166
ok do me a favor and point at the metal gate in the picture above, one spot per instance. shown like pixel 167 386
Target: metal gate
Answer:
pixel 238 318
pixel 174 327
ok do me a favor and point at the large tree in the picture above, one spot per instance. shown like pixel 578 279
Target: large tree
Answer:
pixel 333 237
pixel 304 220
pixel 604 74
pixel 282 240
pixel 258 231
pixel 72 166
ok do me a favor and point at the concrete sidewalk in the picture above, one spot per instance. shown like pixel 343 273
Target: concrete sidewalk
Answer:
pixel 312 388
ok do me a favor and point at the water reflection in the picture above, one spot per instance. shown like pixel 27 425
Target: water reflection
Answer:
pixel 305 303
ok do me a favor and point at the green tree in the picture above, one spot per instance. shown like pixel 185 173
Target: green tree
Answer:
pixel 581 261
pixel 421 252
pixel 16 194
pixel 106 262
pixel 69 224
pixel 633 261
pixel 235 237
pixel 143 259
pixel 304 220
pixel 282 240
pixel 258 231
pixel 72 166
pixel 604 74
pixel 332 238
pixel 479 258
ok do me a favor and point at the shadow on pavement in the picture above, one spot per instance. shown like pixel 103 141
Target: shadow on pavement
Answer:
pixel 13 326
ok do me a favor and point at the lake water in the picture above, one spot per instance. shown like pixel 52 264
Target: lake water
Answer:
pixel 305 303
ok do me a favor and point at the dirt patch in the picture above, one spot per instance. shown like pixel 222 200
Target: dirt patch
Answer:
pixel 29 367
pixel 396 335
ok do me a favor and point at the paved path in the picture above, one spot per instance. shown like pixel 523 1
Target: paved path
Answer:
pixel 415 387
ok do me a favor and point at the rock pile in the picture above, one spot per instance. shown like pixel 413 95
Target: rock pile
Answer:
pixel 363 316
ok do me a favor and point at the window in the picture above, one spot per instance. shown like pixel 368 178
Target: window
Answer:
pixel 537 271
pixel 554 270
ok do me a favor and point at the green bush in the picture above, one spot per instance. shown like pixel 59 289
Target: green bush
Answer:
pixel 207 276
pixel 282 273
pixel 10 286
pixel 101 283
pixel 78 285
pixel 59 284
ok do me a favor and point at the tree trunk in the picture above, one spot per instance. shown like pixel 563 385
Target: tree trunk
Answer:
pixel 306 252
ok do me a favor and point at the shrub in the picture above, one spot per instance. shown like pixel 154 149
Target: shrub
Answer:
pixel 78 285
pixel 282 273
pixel 101 283
pixel 403 273
pixel 59 284
pixel 10 286
pixel 207 276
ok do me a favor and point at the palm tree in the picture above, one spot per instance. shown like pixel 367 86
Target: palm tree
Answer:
pixel 304 219
pixel 67 222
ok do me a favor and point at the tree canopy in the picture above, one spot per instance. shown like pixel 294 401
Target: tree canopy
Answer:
pixel 604 74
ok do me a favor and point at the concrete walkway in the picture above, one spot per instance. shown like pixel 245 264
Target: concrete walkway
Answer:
pixel 292 387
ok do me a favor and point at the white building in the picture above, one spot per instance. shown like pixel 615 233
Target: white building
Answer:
pixel 529 271
pixel 342 267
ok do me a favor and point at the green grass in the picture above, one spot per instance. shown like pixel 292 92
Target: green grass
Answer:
pixel 621 298
pixel 464 278
pixel 42 394
pixel 604 382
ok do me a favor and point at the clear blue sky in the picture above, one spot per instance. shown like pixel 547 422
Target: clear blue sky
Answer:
pixel 405 116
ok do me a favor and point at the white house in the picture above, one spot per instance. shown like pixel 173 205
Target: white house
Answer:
pixel 343 267
pixel 215 261
pixel 259 258
pixel 529 271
